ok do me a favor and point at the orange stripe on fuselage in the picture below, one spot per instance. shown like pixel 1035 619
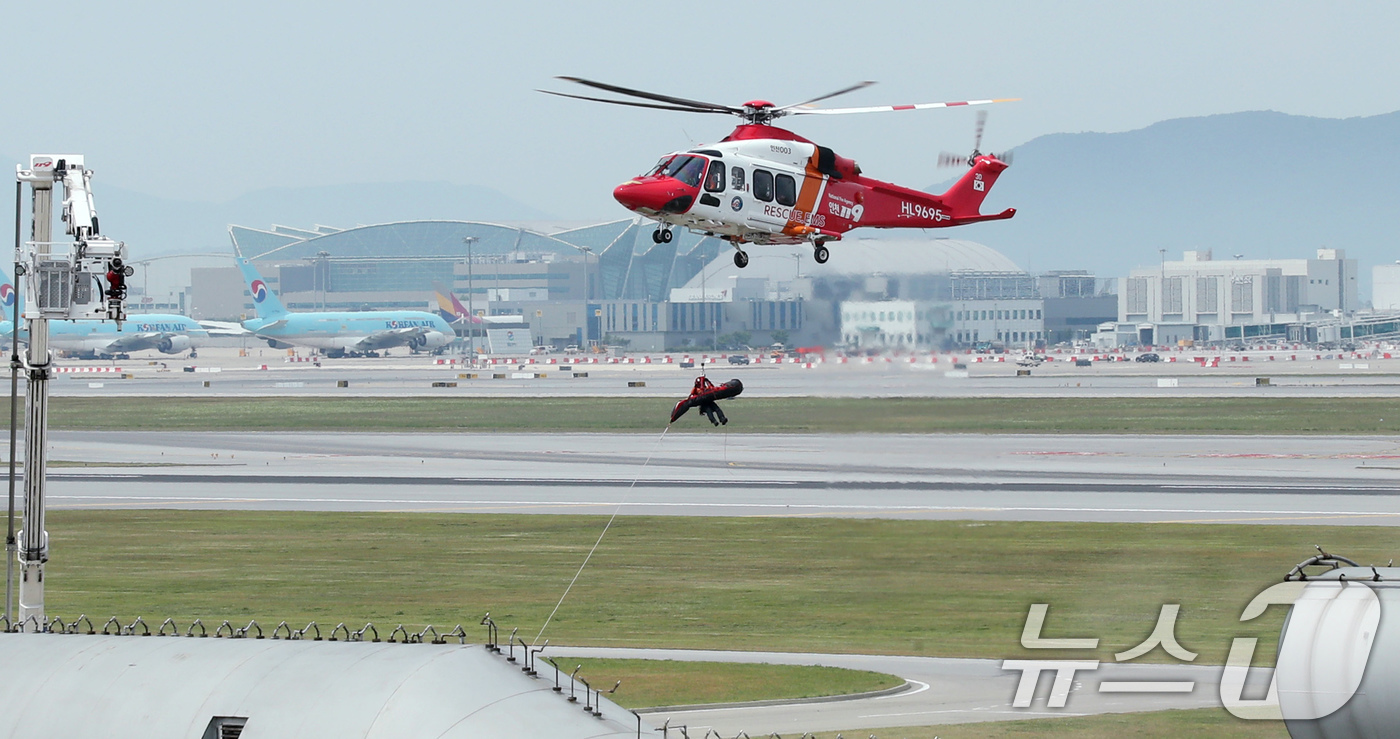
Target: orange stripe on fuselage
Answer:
pixel 806 199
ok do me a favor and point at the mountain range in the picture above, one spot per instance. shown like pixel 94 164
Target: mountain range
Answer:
pixel 1260 184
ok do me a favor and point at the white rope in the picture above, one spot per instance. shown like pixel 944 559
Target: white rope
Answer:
pixel 616 511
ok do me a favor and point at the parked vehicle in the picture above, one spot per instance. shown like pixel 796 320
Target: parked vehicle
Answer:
pixel 738 359
pixel 1148 357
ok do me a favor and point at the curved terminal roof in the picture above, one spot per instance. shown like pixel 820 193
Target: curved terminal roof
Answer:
pixel 630 265
pixel 135 687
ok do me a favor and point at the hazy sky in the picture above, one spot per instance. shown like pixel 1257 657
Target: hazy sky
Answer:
pixel 206 102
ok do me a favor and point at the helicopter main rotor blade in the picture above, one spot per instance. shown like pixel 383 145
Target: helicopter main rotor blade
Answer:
pixel 887 108
pixel 632 104
pixel 852 88
pixel 712 107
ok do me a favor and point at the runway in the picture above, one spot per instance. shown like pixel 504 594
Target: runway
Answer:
pixel 1196 479
pixel 266 372
pixel 941 691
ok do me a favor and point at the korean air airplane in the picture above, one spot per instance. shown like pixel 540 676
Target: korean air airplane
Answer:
pixel 339 333
pixel 163 332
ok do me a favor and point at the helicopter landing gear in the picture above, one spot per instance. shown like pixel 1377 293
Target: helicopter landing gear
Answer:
pixel 821 254
pixel 661 236
pixel 741 259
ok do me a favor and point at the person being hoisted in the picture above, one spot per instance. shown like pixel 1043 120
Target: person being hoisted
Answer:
pixel 704 396
pixel 709 407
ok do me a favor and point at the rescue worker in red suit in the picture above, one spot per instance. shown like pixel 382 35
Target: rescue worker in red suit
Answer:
pixel 709 408
pixel 116 280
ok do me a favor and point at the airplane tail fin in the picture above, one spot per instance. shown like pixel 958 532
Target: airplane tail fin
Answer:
pixel 265 302
pixel 450 308
pixel 9 297
pixel 964 198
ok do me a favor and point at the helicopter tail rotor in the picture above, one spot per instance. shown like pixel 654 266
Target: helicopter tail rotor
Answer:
pixel 948 159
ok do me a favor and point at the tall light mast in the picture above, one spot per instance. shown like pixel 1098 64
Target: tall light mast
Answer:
pixel 80 280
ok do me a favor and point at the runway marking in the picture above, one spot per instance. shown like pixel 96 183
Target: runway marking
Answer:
pixel 1316 517
pixel 804 508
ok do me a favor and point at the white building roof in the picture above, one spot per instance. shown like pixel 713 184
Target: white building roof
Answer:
pixel 134 687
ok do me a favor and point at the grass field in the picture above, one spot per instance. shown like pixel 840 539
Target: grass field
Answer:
pixel 748 415
pixel 1205 722
pixel 939 588
pixel 648 683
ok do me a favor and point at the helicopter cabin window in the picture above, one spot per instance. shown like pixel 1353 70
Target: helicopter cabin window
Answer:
pixel 787 190
pixel 736 178
pixel 687 169
pixel 763 185
pixel 714 179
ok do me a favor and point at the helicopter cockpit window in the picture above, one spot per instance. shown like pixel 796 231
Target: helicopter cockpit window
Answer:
pixel 659 168
pixel 736 178
pixel 714 179
pixel 763 185
pixel 787 190
pixel 687 169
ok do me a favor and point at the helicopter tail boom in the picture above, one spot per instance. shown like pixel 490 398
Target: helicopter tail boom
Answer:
pixel 892 206
pixel 964 198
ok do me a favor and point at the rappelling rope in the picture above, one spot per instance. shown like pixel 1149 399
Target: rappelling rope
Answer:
pixel 604 533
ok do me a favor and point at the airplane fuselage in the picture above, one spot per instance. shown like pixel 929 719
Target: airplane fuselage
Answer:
pixel 352 331
pixel 163 332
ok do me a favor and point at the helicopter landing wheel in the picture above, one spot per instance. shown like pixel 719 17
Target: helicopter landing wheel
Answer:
pixel 666 236
pixel 656 236
pixel 821 254
pixel 741 259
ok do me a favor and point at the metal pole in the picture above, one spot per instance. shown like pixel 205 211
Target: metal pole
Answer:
pixel 34 539
pixel 471 308
pixel 11 548
pixel 587 297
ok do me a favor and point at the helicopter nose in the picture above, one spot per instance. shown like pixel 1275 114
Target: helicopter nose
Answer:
pixel 657 196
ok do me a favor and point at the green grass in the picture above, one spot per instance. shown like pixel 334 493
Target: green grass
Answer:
pixel 1211 722
pixel 941 588
pixel 647 683
pixel 768 415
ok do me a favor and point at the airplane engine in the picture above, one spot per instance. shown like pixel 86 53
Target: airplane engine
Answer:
pixel 173 344
pixel 433 340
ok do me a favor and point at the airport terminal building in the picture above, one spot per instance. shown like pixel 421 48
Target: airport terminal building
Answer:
pixel 979 309
pixel 603 283
pixel 1201 299
pixel 555 278
pixel 610 283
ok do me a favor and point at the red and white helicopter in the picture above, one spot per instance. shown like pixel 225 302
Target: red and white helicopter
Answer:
pixel 767 185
